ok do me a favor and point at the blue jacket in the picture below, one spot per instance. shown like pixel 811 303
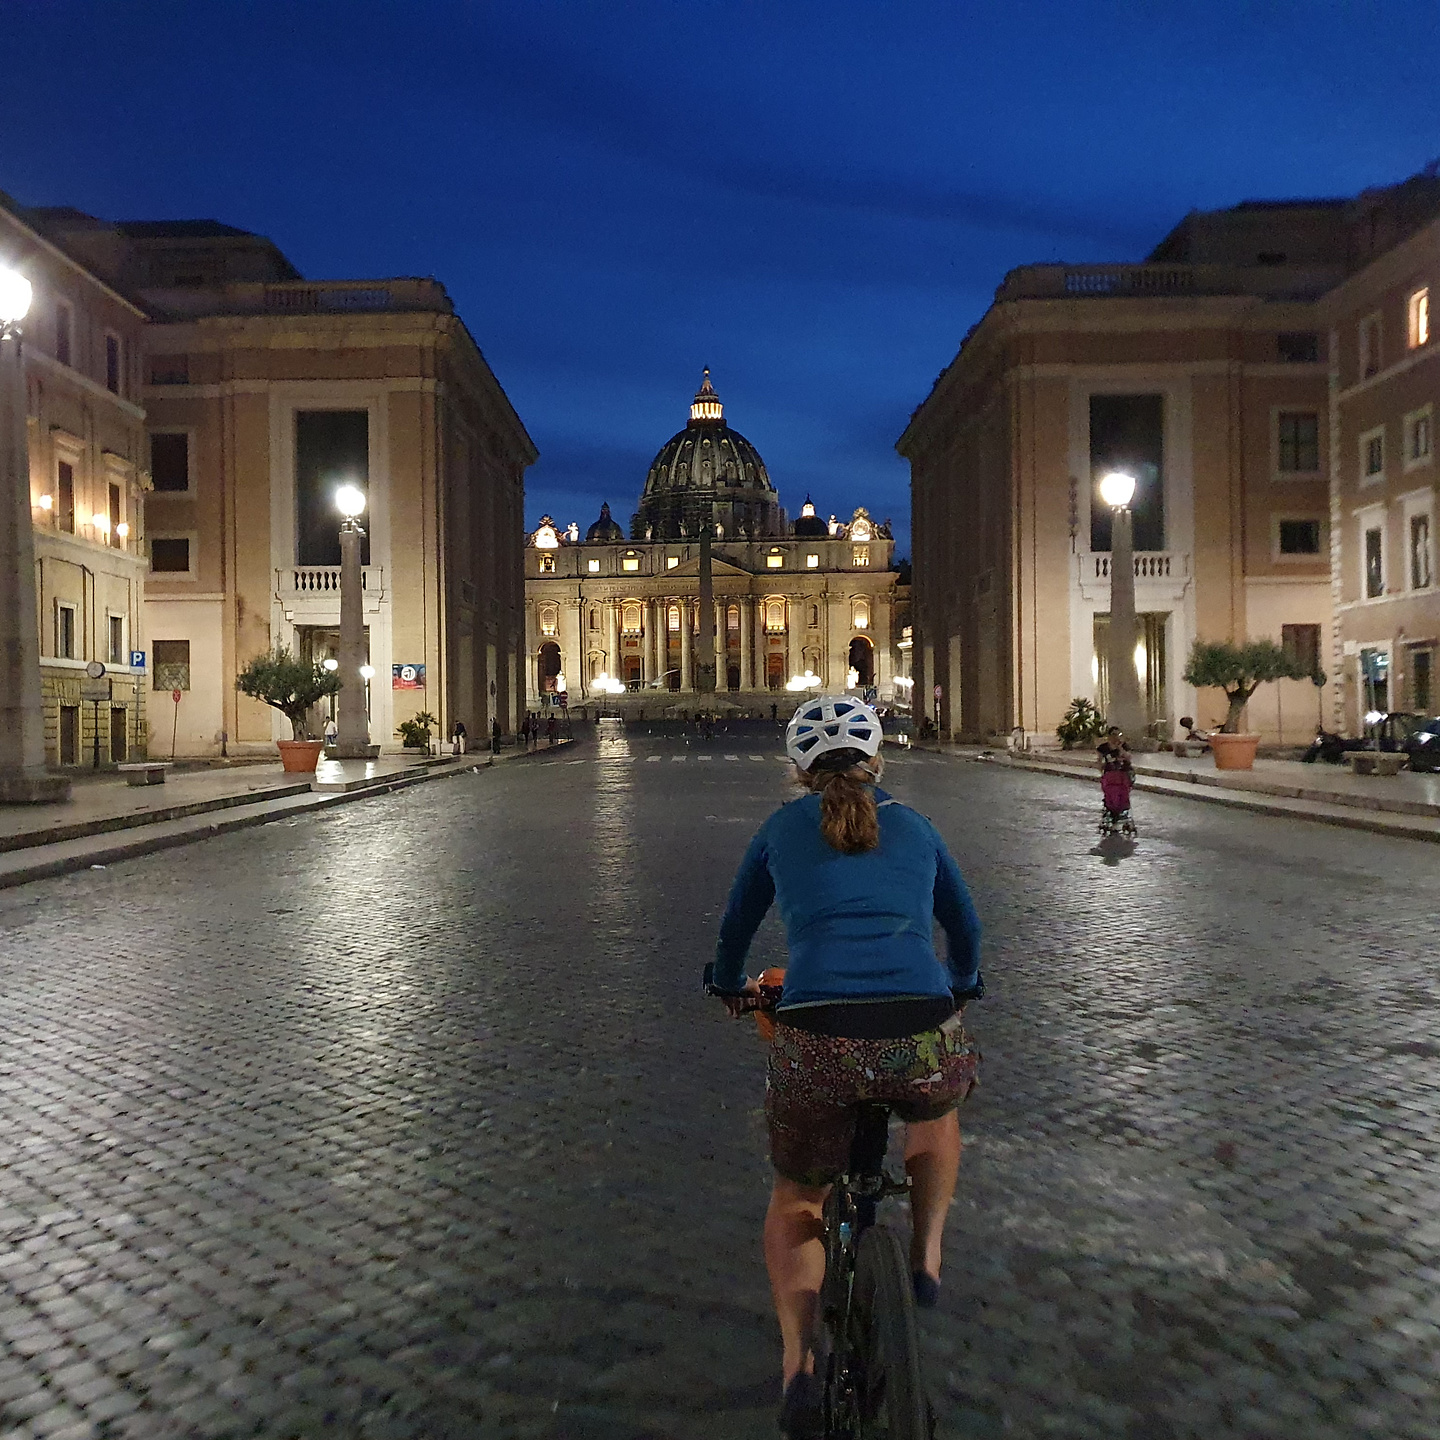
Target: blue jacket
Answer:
pixel 859 927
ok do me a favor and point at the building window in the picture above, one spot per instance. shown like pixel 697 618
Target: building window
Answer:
pixel 549 619
pixel 1422 668
pixel 547 564
pixel 1369 346
pixel 1374 562
pixel 630 564
pixel 775 617
pixel 170 462
pixel 732 618
pixel 860 555
pixel 1299 537
pixel 812 562
pixel 64 332
pixel 774 560
pixel 1419 442
pixel 117 518
pixel 64 631
pixel 1297 435
pixel 1417 310
pixel 112 364
pixel 169 555
pixel 592 567
pixel 672 561
pixel 172 664
pixel 1372 456
pixel 630 614
pixel 594 618
pixel 1298 347
pixel 1302 644
pixel 169 369
pixel 672 617
pixel 1421 570
pixel 860 614
pixel 65 496
pixel 117 654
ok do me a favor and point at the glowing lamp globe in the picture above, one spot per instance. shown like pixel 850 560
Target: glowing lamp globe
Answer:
pixel 332 664
pixel 1117 489
pixel 15 295
pixel 367 672
pixel 350 501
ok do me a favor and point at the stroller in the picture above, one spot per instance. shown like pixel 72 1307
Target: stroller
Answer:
pixel 1115 818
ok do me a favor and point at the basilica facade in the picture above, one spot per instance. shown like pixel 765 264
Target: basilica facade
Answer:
pixel 614 619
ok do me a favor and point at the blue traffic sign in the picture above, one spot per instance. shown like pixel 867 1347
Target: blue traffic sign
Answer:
pixel 137 659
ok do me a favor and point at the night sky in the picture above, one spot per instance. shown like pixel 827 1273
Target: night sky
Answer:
pixel 816 200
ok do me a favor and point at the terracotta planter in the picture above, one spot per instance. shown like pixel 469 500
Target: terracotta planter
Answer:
pixel 1234 752
pixel 299 757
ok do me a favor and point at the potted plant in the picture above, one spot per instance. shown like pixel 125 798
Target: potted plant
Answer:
pixel 1239 670
pixel 291 686
pixel 415 733
pixel 1081 723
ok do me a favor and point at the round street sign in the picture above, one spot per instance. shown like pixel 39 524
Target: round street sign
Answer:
pixel 938 692
pixel 175 696
pixel 95 670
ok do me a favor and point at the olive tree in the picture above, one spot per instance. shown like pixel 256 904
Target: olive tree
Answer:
pixel 1240 670
pixel 289 685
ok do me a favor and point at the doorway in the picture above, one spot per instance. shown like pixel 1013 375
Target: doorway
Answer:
pixel 549 662
pixel 1151 667
pixel 861 659
pixel 774 670
pixel 1374 681
pixel 119 734
pixel 69 734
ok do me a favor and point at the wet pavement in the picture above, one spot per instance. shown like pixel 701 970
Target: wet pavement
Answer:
pixel 406 1120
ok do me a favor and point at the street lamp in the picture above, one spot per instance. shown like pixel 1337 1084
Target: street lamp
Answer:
pixel 22 715
pixel 352 739
pixel 1117 489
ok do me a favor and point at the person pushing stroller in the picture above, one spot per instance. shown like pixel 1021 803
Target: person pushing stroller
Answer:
pixel 1117 775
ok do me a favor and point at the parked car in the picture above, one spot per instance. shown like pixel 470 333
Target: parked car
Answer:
pixel 1422 744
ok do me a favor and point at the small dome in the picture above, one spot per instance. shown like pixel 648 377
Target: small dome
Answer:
pixel 810 525
pixel 604 531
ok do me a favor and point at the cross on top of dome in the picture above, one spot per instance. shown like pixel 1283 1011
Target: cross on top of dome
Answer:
pixel 707 404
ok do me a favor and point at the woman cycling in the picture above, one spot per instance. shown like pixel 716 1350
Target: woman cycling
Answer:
pixel 868 1012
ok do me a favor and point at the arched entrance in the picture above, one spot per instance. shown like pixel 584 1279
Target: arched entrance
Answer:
pixel 549 659
pixel 861 660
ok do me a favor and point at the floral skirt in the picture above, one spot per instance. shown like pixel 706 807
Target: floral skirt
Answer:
pixel 814 1085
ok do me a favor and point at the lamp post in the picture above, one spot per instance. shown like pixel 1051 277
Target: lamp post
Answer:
pixel 22 714
pixel 352 724
pixel 1117 490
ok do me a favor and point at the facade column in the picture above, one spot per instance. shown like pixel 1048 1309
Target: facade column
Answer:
pixel 658 641
pixel 794 633
pixel 762 648
pixel 612 640
pixel 747 638
pixel 687 643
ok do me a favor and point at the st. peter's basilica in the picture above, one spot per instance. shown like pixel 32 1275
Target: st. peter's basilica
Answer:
pixel 616 620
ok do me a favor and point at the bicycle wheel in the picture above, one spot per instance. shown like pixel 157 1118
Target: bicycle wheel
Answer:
pixel 889 1391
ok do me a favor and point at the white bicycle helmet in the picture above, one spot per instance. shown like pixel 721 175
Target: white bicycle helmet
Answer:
pixel 831 722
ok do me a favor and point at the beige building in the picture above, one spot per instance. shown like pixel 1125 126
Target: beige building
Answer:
pixel 617 619
pixel 1202 372
pixel 1384 385
pixel 264 392
pixel 86 440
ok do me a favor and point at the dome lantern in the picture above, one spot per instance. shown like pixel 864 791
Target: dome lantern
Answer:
pixel 706 405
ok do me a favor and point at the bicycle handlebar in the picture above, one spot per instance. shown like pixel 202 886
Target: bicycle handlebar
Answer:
pixel 767 997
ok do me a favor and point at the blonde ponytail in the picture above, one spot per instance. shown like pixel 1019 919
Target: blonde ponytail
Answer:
pixel 849 821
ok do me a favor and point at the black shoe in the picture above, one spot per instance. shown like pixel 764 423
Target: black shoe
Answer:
pixel 802 1411
pixel 927 1290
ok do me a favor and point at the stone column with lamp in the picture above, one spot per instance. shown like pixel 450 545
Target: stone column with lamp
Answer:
pixel 352 740
pixel 1126 710
pixel 23 778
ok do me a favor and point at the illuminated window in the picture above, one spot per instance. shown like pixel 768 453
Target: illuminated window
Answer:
pixel 672 618
pixel 860 555
pixel 775 617
pixel 1418 310
pixel 547 564
pixel 732 618
pixel 860 613
pixel 630 563
pixel 549 620
pixel 671 561
pixel 630 618
pixel 593 566
pixel 812 562
pixel 775 559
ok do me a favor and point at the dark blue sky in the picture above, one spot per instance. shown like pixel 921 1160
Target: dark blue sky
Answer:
pixel 816 200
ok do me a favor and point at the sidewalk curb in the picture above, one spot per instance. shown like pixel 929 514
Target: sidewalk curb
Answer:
pixel 1345 817
pixel 155 836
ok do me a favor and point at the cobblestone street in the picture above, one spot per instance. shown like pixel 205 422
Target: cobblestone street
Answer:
pixel 407 1119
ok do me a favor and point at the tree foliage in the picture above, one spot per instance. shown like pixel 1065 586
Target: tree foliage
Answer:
pixel 1081 722
pixel 1240 670
pixel 289 685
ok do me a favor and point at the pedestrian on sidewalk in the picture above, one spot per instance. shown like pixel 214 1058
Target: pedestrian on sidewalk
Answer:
pixel 458 739
pixel 552 729
pixel 495 735
pixel 332 732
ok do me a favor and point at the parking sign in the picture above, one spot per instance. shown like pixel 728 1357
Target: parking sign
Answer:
pixel 137 659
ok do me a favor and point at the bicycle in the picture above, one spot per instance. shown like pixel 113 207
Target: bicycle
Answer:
pixel 867 1345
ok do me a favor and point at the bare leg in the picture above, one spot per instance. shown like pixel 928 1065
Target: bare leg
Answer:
pixel 932 1158
pixel 795 1258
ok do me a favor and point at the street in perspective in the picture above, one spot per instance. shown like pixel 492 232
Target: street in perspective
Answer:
pixel 718 722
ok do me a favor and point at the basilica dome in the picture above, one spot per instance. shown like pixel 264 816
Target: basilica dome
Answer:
pixel 604 530
pixel 707 474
